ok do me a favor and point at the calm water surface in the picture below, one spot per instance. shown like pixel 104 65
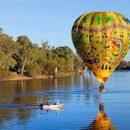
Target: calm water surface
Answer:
pixel 84 107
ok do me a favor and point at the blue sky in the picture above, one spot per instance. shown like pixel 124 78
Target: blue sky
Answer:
pixel 51 20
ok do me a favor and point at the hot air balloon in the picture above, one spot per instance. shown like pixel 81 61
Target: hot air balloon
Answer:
pixel 102 40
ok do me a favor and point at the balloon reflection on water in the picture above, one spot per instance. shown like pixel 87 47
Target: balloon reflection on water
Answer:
pixel 102 121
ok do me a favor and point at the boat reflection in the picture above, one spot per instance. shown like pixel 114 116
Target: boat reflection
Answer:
pixel 101 122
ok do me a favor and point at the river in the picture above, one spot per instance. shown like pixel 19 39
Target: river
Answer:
pixel 84 106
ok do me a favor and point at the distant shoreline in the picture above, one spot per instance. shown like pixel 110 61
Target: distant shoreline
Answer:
pixel 123 69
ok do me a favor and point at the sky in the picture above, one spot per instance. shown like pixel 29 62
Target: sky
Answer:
pixel 52 20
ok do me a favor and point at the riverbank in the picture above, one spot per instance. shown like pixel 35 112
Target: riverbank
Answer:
pixel 23 77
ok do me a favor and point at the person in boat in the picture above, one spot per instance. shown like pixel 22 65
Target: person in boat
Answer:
pixel 57 102
pixel 41 106
pixel 102 88
pixel 47 103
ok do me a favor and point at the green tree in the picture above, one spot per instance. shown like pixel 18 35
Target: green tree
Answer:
pixel 65 53
pixel 24 44
pixel 7 49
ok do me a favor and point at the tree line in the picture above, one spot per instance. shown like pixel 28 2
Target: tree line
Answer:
pixel 23 57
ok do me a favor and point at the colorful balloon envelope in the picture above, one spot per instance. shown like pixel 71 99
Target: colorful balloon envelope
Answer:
pixel 102 40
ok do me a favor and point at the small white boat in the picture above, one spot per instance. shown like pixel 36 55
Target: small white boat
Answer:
pixel 55 107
